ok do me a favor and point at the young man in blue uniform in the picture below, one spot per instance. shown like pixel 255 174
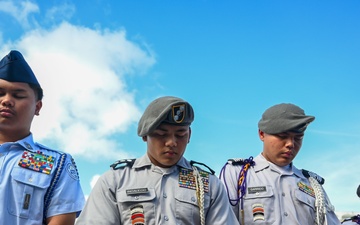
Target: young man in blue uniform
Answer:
pixel 161 187
pixel 38 185
pixel 269 189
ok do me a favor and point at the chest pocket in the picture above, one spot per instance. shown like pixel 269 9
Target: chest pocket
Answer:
pixel 260 206
pixel 143 202
pixel 306 199
pixel 28 189
pixel 186 206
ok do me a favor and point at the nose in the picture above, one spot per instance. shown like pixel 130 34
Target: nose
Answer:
pixel 171 141
pixel 290 142
pixel 7 101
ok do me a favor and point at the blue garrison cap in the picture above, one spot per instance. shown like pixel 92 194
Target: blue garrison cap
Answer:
pixel 14 68
pixel 167 109
pixel 284 117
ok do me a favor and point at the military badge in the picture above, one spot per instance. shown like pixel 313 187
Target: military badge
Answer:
pixel 258 212
pixel 37 161
pixel 137 215
pixel 178 113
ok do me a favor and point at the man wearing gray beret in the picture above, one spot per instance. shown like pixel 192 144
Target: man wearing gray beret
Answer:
pixel 161 187
pixel 269 189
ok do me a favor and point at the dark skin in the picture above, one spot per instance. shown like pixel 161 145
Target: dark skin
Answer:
pixel 167 144
pixel 281 148
pixel 19 104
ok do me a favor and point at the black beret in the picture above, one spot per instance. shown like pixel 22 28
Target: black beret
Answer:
pixel 168 109
pixel 14 68
pixel 284 117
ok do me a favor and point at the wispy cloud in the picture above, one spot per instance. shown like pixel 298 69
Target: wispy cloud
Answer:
pixel 20 11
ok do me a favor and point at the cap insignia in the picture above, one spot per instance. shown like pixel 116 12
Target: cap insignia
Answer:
pixel 178 113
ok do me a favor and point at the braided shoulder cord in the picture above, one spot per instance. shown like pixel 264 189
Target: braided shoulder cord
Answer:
pixel 319 201
pixel 54 181
pixel 242 185
pixel 200 193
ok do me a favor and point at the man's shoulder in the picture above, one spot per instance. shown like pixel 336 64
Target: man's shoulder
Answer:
pixel 309 174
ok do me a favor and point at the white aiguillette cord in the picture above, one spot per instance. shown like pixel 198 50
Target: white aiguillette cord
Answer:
pixel 200 193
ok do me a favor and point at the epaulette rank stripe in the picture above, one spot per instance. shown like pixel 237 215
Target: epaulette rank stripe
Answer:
pixel 237 161
pixel 122 163
pixel 192 163
pixel 308 174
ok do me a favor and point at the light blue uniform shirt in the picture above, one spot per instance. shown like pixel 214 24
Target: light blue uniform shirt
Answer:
pixel 147 194
pixel 273 195
pixel 24 185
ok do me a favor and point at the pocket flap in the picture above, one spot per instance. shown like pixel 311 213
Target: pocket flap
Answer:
pixel 30 177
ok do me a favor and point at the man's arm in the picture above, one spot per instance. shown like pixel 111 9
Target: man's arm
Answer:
pixel 63 219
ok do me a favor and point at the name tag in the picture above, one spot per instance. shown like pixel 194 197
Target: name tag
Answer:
pixel 137 191
pixel 253 190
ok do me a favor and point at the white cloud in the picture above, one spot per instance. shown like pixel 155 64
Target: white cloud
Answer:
pixel 20 11
pixel 82 72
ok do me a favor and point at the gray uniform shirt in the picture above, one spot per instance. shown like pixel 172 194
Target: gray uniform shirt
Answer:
pixel 275 196
pixel 146 194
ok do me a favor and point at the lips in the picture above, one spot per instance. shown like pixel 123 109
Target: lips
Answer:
pixel 7 112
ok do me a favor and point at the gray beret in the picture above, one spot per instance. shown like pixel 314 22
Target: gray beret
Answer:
pixel 168 109
pixel 284 117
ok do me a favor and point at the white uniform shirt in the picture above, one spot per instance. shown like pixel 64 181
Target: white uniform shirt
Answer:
pixel 147 194
pixel 273 195
pixel 24 184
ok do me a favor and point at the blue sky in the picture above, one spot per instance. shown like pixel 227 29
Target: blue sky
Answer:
pixel 102 62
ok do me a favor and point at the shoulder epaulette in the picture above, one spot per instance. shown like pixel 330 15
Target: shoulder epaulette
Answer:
pixel 308 174
pixel 241 161
pixel 192 163
pixel 49 149
pixel 122 163
pixel 236 161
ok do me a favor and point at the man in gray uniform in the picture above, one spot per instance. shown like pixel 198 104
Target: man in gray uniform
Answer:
pixel 269 189
pixel 161 187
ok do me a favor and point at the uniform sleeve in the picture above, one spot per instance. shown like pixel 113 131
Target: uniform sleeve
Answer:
pixel 220 212
pixel 67 196
pixel 101 206
pixel 229 178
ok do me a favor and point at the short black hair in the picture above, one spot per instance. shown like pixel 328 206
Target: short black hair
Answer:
pixel 38 91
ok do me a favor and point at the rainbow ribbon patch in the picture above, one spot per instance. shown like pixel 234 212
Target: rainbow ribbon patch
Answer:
pixel 37 161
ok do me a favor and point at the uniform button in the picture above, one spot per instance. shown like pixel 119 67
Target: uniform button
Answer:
pixel 166 218
pixel 193 199
pixel 285 214
pixel 257 193
pixel 164 195
pixel 30 179
pixel 283 194
pixel 136 197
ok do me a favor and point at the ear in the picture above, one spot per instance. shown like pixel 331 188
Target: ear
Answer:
pixel 261 135
pixel 144 138
pixel 38 107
